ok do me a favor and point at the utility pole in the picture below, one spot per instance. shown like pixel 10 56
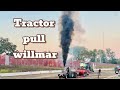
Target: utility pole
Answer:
pixel 102 45
pixel 103 40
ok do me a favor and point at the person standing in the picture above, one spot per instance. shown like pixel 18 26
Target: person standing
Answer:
pixel 99 73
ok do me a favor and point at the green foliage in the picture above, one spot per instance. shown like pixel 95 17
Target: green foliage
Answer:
pixel 7 70
pixel 102 55
pixel 107 56
pixel 113 61
pixel 118 61
pixel 6 46
pixel 93 55
pixel 79 52
pixel 10 69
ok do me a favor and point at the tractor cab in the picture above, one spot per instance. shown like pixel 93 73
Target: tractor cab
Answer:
pixel 86 66
pixel 84 69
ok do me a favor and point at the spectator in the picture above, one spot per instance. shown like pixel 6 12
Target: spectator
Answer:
pixel 99 73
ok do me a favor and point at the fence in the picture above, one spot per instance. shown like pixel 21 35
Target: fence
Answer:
pixel 36 62
pixel 2 59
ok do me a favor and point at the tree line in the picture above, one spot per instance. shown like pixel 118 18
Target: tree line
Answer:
pixel 102 56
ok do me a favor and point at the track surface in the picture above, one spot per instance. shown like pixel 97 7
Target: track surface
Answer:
pixel 104 75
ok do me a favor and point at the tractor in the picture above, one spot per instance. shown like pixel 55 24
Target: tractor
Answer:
pixel 117 69
pixel 68 73
pixel 84 69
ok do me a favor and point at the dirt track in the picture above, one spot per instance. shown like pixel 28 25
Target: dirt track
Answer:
pixel 104 75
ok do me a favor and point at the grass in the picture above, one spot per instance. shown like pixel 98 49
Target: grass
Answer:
pixel 10 69
pixel 105 67
pixel 6 71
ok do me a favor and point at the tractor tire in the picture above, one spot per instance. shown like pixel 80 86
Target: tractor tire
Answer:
pixel 75 75
pixel 65 76
pixel 116 71
pixel 72 75
pixel 92 70
pixel 85 74
pixel 60 77
pixel 68 75
pixel 78 74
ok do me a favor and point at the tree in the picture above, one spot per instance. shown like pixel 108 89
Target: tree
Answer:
pixel 93 55
pixel 111 56
pixel 113 61
pixel 85 54
pixel 118 61
pixel 6 46
pixel 102 55
pixel 110 53
pixel 79 52
pixel 75 51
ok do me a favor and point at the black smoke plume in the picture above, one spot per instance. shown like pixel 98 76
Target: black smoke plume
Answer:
pixel 66 34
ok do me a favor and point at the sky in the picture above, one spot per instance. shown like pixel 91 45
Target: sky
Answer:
pixel 95 23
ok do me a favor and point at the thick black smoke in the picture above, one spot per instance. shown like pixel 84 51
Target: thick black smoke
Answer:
pixel 66 34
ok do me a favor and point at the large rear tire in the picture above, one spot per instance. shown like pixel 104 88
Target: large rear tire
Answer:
pixel 75 75
pixel 116 71
pixel 65 76
pixel 72 75
pixel 60 77
pixel 85 74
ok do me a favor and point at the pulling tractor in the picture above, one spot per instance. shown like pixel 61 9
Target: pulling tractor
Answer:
pixel 83 70
pixel 68 73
